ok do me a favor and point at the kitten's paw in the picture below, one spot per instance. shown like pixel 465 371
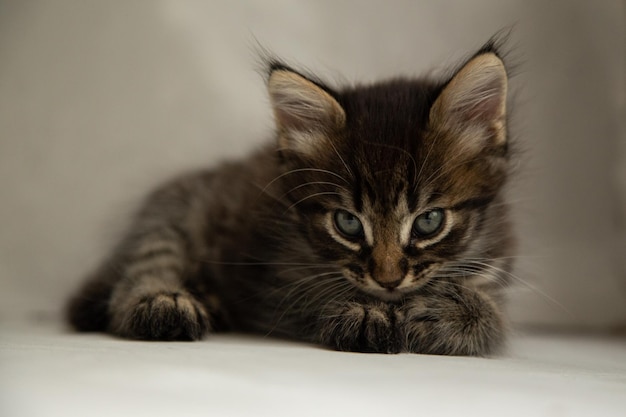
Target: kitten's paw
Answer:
pixel 164 316
pixel 358 327
pixel 452 321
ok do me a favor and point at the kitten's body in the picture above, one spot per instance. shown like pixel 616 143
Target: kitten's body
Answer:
pixel 316 238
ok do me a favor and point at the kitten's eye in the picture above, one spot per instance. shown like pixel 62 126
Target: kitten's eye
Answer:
pixel 429 223
pixel 348 224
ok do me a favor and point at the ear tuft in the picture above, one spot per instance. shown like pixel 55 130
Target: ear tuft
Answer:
pixel 304 111
pixel 474 98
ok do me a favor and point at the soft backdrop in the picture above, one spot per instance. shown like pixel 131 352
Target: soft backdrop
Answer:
pixel 99 101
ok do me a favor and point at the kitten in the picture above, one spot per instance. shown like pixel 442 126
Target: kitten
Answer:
pixel 374 222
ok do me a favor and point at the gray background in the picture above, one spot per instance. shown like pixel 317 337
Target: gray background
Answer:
pixel 99 101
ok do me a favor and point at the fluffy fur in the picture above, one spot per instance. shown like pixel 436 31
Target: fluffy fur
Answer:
pixel 259 245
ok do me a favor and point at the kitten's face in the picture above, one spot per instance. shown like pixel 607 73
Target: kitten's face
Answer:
pixel 395 181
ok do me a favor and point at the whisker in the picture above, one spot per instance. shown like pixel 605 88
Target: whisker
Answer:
pixel 284 271
pixel 207 261
pixel 332 283
pixel 341 294
pixel 446 168
pixel 310 196
pixel 326 291
pixel 264 191
pixel 314 183
pixel 316 281
pixel 477 266
pixel 294 171
pixel 294 284
pixel 340 158
pixel 432 145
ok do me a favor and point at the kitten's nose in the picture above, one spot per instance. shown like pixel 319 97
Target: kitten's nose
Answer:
pixel 390 285
pixel 388 267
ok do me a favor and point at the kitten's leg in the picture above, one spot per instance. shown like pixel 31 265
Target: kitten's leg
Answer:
pixel 360 327
pixel 154 300
pixel 452 319
pixel 147 291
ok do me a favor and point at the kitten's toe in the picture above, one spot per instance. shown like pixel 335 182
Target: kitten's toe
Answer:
pixel 379 331
pixel 362 328
pixel 166 316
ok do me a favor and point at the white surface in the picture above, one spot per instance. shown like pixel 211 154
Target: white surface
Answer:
pixel 48 372
pixel 100 101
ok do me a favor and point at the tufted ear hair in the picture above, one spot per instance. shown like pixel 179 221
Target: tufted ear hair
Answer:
pixel 305 113
pixel 473 102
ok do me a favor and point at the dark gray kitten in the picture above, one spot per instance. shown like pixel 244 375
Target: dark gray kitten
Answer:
pixel 374 222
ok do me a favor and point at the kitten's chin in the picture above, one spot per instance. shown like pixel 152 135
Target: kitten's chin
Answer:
pixel 394 295
pixel 372 288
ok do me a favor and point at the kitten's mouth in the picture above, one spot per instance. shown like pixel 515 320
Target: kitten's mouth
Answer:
pixel 395 294
pixel 407 286
pixel 386 294
pixel 371 287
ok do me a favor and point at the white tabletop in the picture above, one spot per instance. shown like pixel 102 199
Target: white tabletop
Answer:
pixel 48 371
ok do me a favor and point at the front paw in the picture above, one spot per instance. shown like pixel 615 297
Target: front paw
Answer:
pixel 453 320
pixel 162 316
pixel 359 327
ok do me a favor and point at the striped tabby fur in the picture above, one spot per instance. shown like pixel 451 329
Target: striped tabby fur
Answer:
pixel 316 236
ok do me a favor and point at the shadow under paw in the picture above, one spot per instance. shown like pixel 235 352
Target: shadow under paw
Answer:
pixel 166 316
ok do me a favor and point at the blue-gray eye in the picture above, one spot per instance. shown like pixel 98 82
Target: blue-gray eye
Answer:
pixel 429 223
pixel 348 224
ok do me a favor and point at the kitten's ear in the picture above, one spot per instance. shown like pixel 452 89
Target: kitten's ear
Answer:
pixel 305 113
pixel 473 103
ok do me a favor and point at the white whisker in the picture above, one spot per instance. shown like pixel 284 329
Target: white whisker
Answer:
pixel 309 197
pixel 475 266
pixel 294 171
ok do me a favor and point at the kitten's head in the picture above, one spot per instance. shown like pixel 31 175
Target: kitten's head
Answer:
pixel 396 181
